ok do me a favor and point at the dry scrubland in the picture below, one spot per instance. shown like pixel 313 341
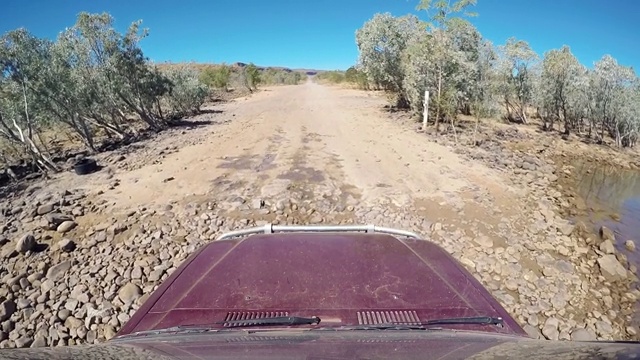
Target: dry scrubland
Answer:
pixel 81 253
pixel 189 151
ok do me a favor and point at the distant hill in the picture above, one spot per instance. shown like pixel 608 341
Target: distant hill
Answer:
pixel 238 64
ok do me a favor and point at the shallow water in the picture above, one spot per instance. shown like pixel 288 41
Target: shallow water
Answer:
pixel 614 191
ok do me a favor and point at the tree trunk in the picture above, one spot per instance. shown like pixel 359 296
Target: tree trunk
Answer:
pixel 438 103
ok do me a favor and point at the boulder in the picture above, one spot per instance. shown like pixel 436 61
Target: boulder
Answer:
pixel 7 308
pixel 129 293
pixel 607 234
pixel 26 243
pixel 607 247
pixel 611 268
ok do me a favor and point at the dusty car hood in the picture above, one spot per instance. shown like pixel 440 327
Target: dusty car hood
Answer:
pixel 342 278
pixel 333 345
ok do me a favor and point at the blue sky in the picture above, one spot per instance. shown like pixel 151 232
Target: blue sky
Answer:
pixel 320 34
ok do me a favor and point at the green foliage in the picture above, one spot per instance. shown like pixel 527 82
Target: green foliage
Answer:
pixel 444 11
pixel 334 76
pixel 560 92
pixel 251 76
pixel 464 73
pixel 216 77
pixel 89 81
pixel 515 78
pixel 357 77
pixel 382 42
pixel 275 76
pixel 188 93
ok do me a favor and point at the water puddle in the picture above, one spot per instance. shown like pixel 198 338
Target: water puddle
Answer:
pixel 613 194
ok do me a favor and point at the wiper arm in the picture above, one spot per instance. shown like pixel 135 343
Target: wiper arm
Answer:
pixel 278 320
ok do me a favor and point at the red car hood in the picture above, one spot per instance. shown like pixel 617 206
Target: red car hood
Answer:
pixel 345 279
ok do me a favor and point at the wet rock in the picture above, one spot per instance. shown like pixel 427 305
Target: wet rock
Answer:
pixel 611 268
pixel 630 245
pixel 26 243
pixel 66 226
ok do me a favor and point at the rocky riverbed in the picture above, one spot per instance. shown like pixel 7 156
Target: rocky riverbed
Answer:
pixel 79 257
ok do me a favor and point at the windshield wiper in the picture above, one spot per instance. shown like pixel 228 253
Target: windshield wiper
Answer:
pixel 278 320
pixel 483 320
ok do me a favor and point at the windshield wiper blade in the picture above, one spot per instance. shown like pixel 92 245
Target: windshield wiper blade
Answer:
pixel 481 320
pixel 278 320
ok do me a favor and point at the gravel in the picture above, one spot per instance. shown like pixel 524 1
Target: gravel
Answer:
pixel 557 281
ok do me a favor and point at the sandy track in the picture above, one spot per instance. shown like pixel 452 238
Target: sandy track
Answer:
pixel 319 138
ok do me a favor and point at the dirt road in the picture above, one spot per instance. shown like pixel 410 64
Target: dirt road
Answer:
pixel 319 154
pixel 319 141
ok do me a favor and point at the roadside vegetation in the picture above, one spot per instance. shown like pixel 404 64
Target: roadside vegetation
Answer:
pixel 93 83
pixel 352 76
pixel 467 74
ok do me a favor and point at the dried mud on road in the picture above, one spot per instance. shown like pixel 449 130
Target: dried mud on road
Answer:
pixel 298 155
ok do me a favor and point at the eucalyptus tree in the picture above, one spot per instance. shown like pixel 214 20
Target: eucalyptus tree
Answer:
pixel 22 58
pixel 560 89
pixel 381 43
pixel 613 90
pixel 187 94
pixel 515 79
pixel 451 52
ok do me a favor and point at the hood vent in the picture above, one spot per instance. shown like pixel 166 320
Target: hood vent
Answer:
pixel 388 317
pixel 250 315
